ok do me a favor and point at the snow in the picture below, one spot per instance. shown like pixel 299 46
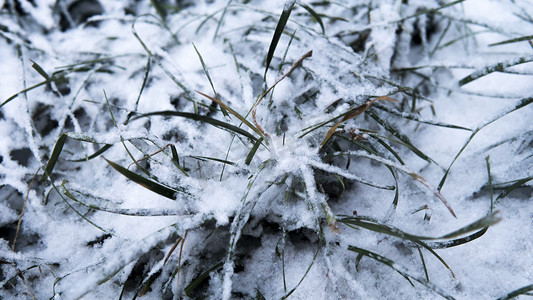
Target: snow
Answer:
pixel 271 223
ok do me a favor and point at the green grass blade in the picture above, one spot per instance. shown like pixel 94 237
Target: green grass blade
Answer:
pixel 147 183
pixel 206 71
pixel 94 155
pixel 287 9
pixel 303 277
pixel 176 160
pixel 24 91
pixel 315 16
pixel 416 118
pixel 159 8
pixel 196 117
pixel 203 158
pixel 389 148
pixel 395 131
pixel 487 221
pixel 189 288
pixel 221 20
pixel 518 292
pixel 495 68
pixel 376 226
pixel 515 185
pixel 403 271
pixel 252 152
pixel 524 102
pixel 54 156
pixel 40 70
pixel 143 85
pixel 515 40
pixel 487 160
pixel 459 241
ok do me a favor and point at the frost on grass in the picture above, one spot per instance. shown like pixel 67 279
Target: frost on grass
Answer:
pixel 238 149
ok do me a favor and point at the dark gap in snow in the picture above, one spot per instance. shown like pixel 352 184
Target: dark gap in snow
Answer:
pixel 77 12
pixel 42 119
pixel 21 156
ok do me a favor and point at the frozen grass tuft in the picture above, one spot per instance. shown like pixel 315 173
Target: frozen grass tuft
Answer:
pixel 264 149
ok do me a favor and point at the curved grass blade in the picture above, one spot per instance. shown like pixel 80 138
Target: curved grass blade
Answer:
pixel 376 226
pixel 457 242
pixel 407 142
pixel 147 183
pixel 524 102
pixel 521 291
pixel 403 271
pixel 303 277
pixel 405 170
pixel 200 118
pixel 285 14
pixel 94 155
pixel 495 68
pixel 189 288
pixel 315 16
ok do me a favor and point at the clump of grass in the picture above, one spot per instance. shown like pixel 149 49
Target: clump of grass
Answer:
pixel 280 160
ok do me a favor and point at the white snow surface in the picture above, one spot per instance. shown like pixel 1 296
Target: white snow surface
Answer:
pixel 266 222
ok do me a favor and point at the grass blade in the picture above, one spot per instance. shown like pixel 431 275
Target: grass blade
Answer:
pixel 253 151
pixel 147 183
pixel 416 118
pixel 285 14
pixel 524 102
pixel 352 114
pixel 403 271
pixel 95 154
pixel 208 77
pixel 189 288
pixel 457 242
pixel 24 91
pixel 515 185
pixel 233 112
pixel 407 142
pixel 515 40
pixel 315 16
pixel 200 118
pixel 518 292
pixel 376 226
pixel 40 70
pixel 54 156
pixel 495 68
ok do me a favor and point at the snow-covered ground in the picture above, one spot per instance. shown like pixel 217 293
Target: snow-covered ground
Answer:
pixel 349 179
